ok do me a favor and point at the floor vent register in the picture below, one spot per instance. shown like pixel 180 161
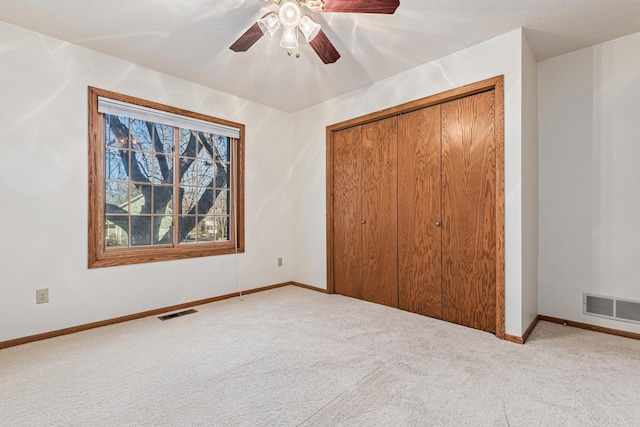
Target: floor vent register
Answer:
pixel 178 314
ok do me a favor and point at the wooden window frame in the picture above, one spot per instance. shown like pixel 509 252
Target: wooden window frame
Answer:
pixel 98 255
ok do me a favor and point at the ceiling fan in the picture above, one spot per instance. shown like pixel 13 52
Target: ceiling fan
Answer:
pixel 293 22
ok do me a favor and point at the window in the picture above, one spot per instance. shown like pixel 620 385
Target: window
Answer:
pixel 164 183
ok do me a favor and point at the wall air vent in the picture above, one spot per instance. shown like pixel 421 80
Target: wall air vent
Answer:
pixel 600 306
pixel 611 308
pixel 628 310
pixel 174 315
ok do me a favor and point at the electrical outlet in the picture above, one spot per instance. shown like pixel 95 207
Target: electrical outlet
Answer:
pixel 279 262
pixel 42 296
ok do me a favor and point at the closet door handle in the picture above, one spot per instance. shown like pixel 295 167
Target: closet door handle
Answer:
pixel 437 223
pixel 363 221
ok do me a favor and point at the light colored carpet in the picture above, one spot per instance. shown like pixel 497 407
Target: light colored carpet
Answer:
pixel 294 357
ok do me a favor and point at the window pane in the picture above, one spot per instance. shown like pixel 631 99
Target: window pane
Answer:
pixel 222 175
pixel 163 230
pixel 189 172
pixel 141 166
pixel 205 145
pixel 205 173
pixel 163 199
pixel 222 206
pixel 116 195
pixel 205 200
pixel 187 228
pixel 189 198
pixel 110 139
pixel 115 167
pixel 140 136
pixel 188 143
pixel 116 232
pixel 163 169
pixel 165 134
pixel 140 202
pixel 117 131
pixel 206 228
pixel 222 151
pixel 140 230
pixel 222 228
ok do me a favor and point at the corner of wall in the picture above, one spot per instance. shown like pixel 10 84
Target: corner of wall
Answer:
pixel 529 185
pixel 290 194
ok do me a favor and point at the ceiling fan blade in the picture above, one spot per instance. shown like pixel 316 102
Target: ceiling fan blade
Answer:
pixel 248 39
pixel 324 48
pixel 361 6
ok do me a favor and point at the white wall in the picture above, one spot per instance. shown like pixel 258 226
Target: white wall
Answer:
pixel 590 178
pixel 501 55
pixel 529 186
pixel 43 188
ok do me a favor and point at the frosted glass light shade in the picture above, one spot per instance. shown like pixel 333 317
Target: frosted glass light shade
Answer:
pixel 269 24
pixel 309 27
pixel 289 38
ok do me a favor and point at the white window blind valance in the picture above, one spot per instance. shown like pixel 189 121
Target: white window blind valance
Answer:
pixel 119 108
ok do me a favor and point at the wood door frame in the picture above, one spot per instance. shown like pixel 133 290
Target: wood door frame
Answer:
pixel 497 85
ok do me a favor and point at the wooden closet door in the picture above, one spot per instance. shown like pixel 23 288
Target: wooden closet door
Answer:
pixel 419 233
pixel 379 227
pixel 347 214
pixel 469 211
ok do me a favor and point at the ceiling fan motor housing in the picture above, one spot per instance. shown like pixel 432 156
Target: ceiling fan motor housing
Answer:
pixel 290 14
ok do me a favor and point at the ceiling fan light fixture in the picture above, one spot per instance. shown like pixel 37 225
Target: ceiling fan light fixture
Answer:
pixel 269 24
pixel 309 27
pixel 289 38
pixel 290 14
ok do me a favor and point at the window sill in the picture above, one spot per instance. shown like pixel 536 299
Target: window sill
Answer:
pixel 115 257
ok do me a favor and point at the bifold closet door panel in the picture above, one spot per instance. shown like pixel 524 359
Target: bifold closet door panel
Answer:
pixel 419 240
pixel 379 200
pixel 469 211
pixel 346 219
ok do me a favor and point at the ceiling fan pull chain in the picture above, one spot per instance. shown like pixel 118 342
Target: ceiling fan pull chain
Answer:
pixel 297 46
pixel 295 49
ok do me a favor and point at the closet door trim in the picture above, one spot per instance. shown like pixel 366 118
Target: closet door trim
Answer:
pixel 497 85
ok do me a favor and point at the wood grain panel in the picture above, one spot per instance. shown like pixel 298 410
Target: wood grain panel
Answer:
pixel 324 48
pixel 469 211
pixel 248 39
pixel 499 137
pixel 379 199
pixel 346 212
pixel 419 251
pixel 438 98
pixel 361 6
pixel 330 216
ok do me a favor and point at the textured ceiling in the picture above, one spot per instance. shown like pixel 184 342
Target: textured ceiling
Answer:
pixel 190 38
